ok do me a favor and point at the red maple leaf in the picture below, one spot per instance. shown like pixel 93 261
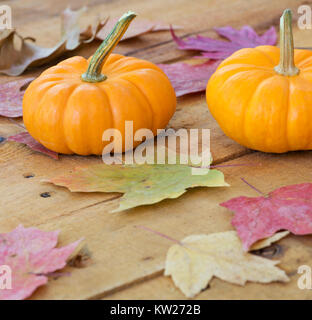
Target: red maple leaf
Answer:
pixel 30 254
pixel 26 138
pixel 11 97
pixel 246 37
pixel 286 208
pixel 186 78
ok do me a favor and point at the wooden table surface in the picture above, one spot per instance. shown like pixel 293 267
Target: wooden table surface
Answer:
pixel 126 262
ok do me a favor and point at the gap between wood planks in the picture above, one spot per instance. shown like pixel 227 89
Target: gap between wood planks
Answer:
pixel 138 281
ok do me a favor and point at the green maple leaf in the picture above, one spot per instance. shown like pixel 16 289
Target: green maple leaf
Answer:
pixel 140 184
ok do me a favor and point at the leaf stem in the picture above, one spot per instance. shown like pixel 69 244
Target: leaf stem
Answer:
pixel 252 187
pixel 159 234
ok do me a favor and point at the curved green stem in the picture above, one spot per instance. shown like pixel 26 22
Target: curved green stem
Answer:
pixel 286 65
pixel 93 73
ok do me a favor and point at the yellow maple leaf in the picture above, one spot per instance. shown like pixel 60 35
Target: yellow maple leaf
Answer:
pixel 268 241
pixel 198 258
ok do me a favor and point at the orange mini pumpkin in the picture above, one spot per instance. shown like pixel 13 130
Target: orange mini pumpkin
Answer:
pixel 262 97
pixel 69 106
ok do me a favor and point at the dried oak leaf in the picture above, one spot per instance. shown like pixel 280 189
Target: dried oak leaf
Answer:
pixel 286 208
pixel 31 255
pixel 14 61
pixel 186 78
pixel 137 28
pixel 141 184
pixel 11 97
pixel 198 258
pixel 215 49
pixel 26 138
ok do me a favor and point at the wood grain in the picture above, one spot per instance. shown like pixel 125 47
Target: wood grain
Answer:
pixel 124 255
pixel 127 262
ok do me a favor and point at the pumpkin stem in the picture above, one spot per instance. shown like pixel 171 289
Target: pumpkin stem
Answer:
pixel 286 65
pixel 93 73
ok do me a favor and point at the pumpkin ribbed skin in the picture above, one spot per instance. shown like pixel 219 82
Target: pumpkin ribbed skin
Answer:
pixel 259 108
pixel 68 115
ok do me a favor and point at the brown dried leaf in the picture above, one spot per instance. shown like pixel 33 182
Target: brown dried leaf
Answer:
pixel 137 28
pixel 14 61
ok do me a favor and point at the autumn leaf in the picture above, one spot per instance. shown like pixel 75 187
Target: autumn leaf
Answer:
pixel 11 97
pixel 26 138
pixel 31 255
pixel 198 258
pixel 286 208
pixel 137 27
pixel 186 78
pixel 14 61
pixel 246 37
pixel 141 184
pixel 268 241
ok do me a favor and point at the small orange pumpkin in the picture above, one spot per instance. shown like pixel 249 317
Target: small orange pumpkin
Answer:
pixel 261 106
pixel 69 106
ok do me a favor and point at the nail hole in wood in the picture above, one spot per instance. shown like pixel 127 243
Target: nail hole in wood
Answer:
pixel 28 175
pixel 45 194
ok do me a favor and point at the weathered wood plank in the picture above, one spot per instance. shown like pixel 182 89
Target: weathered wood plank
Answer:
pixel 124 254
pixel 16 161
pixel 292 252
